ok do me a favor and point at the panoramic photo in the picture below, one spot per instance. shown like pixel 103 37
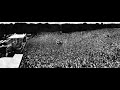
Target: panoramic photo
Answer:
pixel 59 45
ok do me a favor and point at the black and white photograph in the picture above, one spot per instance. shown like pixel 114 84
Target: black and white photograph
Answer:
pixel 59 44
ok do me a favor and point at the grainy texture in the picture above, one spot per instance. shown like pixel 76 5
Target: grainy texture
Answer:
pixel 93 51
